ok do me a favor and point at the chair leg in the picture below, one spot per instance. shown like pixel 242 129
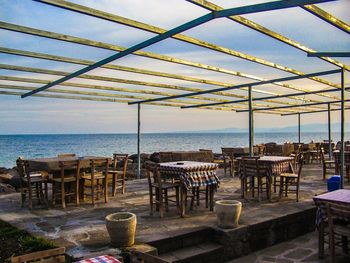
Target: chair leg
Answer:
pixel 63 199
pixel 151 200
pixel 166 203
pixel 161 205
pixel 105 181
pixel 93 192
pixel 281 187
pixel 206 196
pixel 177 197
pixel 114 185
pixel 123 185
pixel 211 197
pixel 77 200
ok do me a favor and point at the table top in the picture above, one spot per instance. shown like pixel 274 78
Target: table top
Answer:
pixel 340 196
pixel 189 165
pixel 52 163
pixel 272 158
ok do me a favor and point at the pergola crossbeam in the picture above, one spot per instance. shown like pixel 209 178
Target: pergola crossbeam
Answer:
pixel 154 29
pixel 248 84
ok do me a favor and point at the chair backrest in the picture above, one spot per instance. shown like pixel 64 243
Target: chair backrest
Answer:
pixel 45 256
pixel 337 211
pixel 69 166
pixel 23 170
pixel 148 258
pixel 251 167
pixel 21 167
pixel 99 166
pixel 119 157
pixel 66 155
pixel 300 161
pixel 322 155
pixel 153 174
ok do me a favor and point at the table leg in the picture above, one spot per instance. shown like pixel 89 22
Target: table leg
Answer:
pixel 211 198
pixel 182 199
pixel 321 240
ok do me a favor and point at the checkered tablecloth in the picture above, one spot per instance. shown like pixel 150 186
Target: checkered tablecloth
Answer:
pixel 341 196
pixel 275 165
pixel 193 174
pixel 100 259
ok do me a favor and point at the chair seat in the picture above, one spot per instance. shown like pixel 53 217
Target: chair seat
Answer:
pixel 35 179
pixel 115 172
pixel 66 179
pixel 96 177
pixel 290 175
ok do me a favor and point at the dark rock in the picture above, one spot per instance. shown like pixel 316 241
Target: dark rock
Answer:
pixel 6 189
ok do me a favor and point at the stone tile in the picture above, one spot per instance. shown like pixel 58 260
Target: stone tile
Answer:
pixel 298 253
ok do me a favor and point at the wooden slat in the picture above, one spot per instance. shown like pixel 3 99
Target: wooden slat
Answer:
pixel 132 23
pixel 255 26
pixel 88 42
pixel 39 255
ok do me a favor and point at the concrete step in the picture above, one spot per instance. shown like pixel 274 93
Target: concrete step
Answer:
pixel 182 240
pixel 201 253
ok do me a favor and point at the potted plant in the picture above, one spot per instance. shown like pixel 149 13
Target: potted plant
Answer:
pixel 121 228
pixel 228 213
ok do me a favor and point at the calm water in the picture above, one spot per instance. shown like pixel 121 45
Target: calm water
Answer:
pixel 32 146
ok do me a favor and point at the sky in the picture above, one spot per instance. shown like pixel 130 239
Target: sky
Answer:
pixel 43 115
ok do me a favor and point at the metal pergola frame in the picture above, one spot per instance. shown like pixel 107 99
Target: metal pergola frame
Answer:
pixel 178 100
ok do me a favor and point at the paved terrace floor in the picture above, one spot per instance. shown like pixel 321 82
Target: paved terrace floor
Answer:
pixel 82 229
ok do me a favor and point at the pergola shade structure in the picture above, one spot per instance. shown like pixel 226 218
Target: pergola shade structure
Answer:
pixel 252 93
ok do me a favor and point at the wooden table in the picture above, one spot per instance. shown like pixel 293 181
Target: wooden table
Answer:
pixel 342 197
pixel 275 165
pixel 192 174
pixel 51 164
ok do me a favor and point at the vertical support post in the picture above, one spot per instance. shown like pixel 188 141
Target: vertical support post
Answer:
pixel 299 133
pixel 329 132
pixel 251 122
pixel 342 128
pixel 138 142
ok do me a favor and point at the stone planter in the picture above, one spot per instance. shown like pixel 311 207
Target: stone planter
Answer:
pixel 228 213
pixel 121 228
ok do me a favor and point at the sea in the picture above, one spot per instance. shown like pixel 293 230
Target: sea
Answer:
pixel 48 145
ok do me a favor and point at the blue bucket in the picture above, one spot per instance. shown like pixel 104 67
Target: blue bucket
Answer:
pixel 333 183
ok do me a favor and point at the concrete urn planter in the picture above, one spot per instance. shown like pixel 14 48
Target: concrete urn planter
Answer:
pixel 121 228
pixel 228 213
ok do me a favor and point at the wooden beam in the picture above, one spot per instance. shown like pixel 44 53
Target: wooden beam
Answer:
pixel 257 27
pixel 329 18
pixel 92 43
pixel 150 28
pixel 115 67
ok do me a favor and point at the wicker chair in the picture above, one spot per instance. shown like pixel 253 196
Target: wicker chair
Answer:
pixel 291 179
pixel 62 184
pixel 159 190
pixel 118 175
pixel 98 179
pixel 339 224
pixel 32 184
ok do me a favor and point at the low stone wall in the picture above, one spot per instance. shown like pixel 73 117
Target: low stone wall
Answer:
pixel 247 239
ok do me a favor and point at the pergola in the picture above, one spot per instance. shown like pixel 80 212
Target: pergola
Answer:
pixel 225 97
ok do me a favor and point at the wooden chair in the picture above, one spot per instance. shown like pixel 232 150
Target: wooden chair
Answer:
pixel 97 180
pixel 291 179
pixel 229 160
pixel 159 190
pixel 326 164
pixel 31 184
pixel 148 258
pixel 62 184
pixel 66 155
pixel 118 176
pixel 55 255
pixel 253 177
pixel 338 224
